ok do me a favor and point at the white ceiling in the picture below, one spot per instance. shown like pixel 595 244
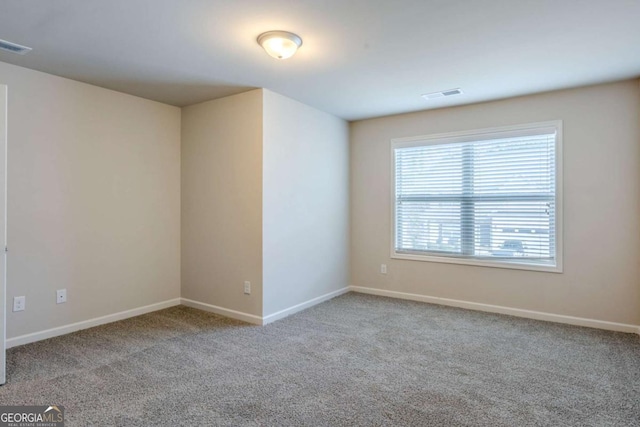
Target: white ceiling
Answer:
pixel 360 58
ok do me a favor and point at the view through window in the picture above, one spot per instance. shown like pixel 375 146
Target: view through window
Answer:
pixel 485 196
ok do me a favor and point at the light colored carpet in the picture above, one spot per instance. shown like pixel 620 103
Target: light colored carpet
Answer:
pixel 356 360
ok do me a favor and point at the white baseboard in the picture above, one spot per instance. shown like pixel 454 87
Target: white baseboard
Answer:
pixel 299 307
pixel 258 320
pixel 97 321
pixel 529 314
pixel 226 312
pixel 246 317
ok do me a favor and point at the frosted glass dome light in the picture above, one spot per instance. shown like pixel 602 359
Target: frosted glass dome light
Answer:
pixel 280 44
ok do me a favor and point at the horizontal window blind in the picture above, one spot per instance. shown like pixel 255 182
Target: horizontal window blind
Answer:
pixel 490 198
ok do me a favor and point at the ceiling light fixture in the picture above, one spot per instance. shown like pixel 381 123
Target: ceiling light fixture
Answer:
pixel 280 44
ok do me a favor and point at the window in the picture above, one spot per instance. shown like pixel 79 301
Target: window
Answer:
pixel 488 197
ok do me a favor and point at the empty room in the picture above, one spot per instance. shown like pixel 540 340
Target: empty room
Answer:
pixel 320 213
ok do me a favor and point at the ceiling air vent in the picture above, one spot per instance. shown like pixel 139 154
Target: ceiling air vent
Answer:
pixel 14 48
pixel 442 94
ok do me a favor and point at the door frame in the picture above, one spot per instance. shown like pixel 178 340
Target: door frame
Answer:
pixel 3 230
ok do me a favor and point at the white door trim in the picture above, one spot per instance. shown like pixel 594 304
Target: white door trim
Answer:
pixel 3 231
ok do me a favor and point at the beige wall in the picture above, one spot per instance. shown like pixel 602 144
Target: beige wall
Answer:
pixel 93 200
pixel 222 202
pixel 601 206
pixel 306 204
pixel 98 195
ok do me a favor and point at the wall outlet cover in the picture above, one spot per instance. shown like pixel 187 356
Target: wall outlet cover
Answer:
pixel 61 296
pixel 19 303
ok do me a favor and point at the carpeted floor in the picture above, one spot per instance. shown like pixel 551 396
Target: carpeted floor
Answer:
pixel 356 360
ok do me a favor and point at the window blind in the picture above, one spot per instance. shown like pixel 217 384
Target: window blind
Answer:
pixel 489 196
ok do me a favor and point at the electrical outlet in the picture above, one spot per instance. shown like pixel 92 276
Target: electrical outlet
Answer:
pixel 19 303
pixel 247 288
pixel 61 296
pixel 383 268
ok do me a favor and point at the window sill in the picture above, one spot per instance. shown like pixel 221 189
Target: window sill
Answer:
pixel 515 265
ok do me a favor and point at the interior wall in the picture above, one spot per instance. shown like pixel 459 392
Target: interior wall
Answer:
pixel 601 137
pixel 305 203
pixel 93 200
pixel 222 202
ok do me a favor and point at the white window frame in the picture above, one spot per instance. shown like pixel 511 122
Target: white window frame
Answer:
pixel 471 135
